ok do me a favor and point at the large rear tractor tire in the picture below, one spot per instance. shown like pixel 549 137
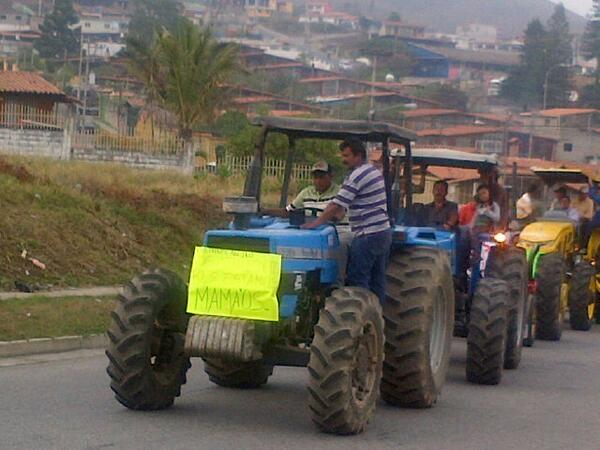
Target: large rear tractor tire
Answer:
pixel 549 279
pixel 346 357
pixel 582 297
pixel 510 265
pixel 419 321
pixel 249 375
pixel 486 342
pixel 147 364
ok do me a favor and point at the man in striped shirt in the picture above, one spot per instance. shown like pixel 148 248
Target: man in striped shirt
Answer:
pixel 363 195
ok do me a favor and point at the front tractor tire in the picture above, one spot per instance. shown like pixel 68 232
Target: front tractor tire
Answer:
pixel 346 357
pixel 241 375
pixel 582 297
pixel 510 265
pixel 486 342
pixel 147 364
pixel 549 280
pixel 419 322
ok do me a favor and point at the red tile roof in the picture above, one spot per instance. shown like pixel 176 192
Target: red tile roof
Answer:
pixel 425 112
pixel 561 112
pixel 27 83
pixel 459 130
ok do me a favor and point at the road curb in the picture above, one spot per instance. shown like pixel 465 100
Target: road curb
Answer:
pixel 51 345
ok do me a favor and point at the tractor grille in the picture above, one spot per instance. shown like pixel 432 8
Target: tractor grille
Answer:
pixel 258 245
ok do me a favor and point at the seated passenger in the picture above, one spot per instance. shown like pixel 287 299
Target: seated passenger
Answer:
pixel 441 213
pixel 487 212
pixel 316 196
pixel 565 206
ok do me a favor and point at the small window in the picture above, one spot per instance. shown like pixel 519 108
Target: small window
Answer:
pixel 17 17
pixel 107 25
pixel 87 25
pixel 547 122
pixel 568 147
pixel 2 17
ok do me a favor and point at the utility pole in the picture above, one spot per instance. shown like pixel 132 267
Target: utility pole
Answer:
pixel 87 75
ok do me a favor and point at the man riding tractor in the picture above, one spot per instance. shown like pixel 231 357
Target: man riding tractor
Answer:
pixel 562 273
pixel 490 274
pixel 266 292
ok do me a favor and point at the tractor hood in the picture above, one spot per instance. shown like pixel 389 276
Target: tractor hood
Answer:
pixel 543 232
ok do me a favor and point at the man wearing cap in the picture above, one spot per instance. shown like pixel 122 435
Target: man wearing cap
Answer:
pixel 317 196
pixel 364 196
pixel 560 192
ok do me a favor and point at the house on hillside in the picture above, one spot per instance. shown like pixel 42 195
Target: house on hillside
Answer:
pixel 577 131
pixel 401 29
pixel 27 100
pixel 501 140
pixel 427 118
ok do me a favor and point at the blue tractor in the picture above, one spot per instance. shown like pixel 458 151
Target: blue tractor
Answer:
pixel 493 305
pixel 263 293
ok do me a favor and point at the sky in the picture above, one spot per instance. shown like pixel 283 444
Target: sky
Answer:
pixel 582 7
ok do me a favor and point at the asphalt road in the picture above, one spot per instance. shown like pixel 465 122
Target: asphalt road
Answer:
pixel 551 402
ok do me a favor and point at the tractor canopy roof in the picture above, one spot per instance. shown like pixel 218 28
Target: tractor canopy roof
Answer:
pixel 337 129
pixel 560 175
pixel 442 157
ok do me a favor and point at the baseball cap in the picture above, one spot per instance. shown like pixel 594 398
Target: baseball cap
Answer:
pixel 321 166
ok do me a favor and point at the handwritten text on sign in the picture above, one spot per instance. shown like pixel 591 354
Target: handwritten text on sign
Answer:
pixel 232 283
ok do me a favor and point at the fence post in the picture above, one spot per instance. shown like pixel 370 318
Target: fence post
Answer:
pixel 188 157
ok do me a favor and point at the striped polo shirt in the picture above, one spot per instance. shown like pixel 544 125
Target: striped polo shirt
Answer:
pixel 309 197
pixel 363 195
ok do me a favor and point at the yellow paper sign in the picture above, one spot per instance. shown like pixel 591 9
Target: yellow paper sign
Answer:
pixel 230 283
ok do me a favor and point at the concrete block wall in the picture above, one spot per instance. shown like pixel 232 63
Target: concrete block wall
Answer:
pixel 53 144
pixel 134 159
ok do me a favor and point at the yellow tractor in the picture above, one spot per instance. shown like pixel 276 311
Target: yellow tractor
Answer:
pixel 563 278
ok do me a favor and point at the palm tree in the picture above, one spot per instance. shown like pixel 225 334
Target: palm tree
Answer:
pixel 184 72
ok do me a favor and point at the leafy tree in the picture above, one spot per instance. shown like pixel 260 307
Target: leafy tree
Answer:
pixel 590 45
pixel 394 16
pixel 545 51
pixel 185 72
pixel 58 38
pixel 446 94
pixel 388 56
pixel 152 16
pixel 559 53
pixel 590 96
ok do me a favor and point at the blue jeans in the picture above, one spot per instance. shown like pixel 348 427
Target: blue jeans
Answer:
pixel 368 261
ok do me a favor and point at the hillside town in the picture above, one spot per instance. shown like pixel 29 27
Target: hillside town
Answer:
pixel 370 224
pixel 298 59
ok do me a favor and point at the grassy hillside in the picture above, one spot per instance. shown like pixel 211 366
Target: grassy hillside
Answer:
pixel 95 224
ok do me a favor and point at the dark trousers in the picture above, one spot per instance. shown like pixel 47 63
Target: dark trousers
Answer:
pixel 368 261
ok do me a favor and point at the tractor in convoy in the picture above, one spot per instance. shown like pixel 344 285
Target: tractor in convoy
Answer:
pixel 563 275
pixel 490 281
pixel 264 293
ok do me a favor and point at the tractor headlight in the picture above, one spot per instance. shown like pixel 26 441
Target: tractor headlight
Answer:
pixel 500 238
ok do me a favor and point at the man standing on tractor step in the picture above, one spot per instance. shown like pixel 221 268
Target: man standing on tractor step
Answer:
pixel 363 194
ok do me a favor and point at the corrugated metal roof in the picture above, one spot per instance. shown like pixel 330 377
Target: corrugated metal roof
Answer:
pixel 27 83
pixel 459 130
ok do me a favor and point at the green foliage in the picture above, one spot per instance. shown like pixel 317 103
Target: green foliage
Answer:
pixel 152 16
pixel 590 45
pixel 394 16
pixel 184 72
pixel 58 39
pixel 590 96
pixel 389 55
pixel 545 50
pixel 308 151
pixel 446 94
